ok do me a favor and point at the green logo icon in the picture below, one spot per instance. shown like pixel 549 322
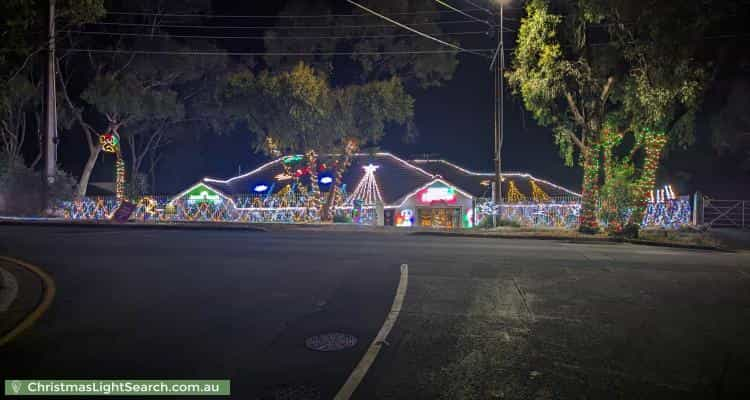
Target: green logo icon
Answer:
pixel 16 386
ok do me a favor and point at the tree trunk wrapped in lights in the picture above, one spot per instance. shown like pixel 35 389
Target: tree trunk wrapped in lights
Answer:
pixel 312 165
pixel 349 150
pixel 590 194
pixel 653 144
pixel 110 143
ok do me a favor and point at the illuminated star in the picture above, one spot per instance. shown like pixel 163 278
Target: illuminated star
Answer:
pixel 370 168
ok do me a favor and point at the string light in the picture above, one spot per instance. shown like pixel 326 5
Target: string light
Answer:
pixel 110 143
pixel 588 222
pixel 367 190
pixel 538 194
pixel 492 174
pixel 514 195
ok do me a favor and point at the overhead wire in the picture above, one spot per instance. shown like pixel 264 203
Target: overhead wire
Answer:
pixel 475 5
pixel 257 27
pixel 462 12
pixel 179 15
pixel 222 37
pixel 392 21
pixel 240 53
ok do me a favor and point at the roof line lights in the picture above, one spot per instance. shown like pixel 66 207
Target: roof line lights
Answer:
pixel 245 174
pixel 402 161
pixel 382 154
pixel 520 174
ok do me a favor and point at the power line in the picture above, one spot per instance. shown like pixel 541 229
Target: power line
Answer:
pixel 412 29
pixel 475 5
pixel 279 54
pixel 179 15
pixel 332 37
pixel 273 26
pixel 462 12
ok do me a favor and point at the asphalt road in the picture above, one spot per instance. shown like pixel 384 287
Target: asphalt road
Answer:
pixel 483 318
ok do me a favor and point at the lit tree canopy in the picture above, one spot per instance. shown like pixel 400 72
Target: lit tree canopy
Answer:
pixel 301 111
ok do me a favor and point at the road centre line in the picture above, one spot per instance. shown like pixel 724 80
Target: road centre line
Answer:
pixel 359 372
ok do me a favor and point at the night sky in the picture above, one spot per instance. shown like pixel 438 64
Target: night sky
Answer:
pixel 454 121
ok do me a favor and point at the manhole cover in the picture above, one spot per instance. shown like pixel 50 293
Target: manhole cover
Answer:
pixel 331 342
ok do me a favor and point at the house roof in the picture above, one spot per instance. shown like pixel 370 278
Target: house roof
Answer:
pixel 396 178
pixel 479 183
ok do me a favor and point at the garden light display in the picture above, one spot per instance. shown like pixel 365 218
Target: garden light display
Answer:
pixel 405 218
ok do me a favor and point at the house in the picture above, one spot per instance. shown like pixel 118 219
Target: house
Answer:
pixel 394 191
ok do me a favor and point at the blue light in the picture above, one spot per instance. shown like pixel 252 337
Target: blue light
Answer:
pixel 260 188
pixel 326 180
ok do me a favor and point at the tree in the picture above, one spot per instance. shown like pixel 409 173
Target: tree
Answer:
pixel 731 125
pixel 17 107
pixel 149 100
pixel 297 111
pixel 363 34
pixel 565 85
pixel 23 30
pixel 643 81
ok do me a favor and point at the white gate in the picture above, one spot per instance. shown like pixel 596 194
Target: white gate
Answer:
pixel 726 213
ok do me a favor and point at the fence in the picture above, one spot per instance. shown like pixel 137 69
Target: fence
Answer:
pixel 726 213
pixel 299 208
pixel 667 214
pixel 247 209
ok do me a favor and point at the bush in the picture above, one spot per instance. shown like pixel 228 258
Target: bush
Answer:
pixel 486 223
pixel 589 230
pixel 508 222
pixel 342 219
pixel 21 191
pixel 631 231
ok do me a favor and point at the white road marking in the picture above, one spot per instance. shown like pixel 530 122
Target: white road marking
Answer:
pixel 8 289
pixel 355 378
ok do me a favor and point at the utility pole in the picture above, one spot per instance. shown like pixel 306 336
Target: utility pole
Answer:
pixel 498 71
pixel 50 115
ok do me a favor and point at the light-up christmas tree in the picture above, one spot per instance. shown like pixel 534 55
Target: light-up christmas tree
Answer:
pixel 537 193
pixel 367 190
pixel 514 195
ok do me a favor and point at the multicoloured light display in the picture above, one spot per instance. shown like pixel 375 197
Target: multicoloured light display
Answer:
pixel 405 218
pixel 437 194
pixel 110 142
